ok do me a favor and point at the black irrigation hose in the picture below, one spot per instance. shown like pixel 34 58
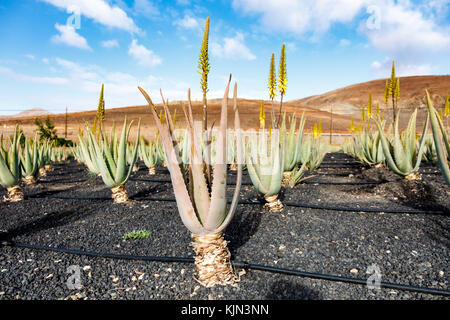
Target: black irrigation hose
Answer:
pixel 244 183
pixel 289 204
pixel 240 264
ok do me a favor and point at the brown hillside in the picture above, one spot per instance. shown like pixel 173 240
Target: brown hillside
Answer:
pixel 346 103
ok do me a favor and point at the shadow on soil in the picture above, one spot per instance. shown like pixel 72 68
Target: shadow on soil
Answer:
pixel 49 221
pixel 285 290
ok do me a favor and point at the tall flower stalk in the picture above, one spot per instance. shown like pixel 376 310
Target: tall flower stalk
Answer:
pixel 282 80
pixel 272 86
pixel 203 206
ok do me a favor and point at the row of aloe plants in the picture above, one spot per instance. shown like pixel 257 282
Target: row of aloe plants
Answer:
pixel 26 160
pixel 403 151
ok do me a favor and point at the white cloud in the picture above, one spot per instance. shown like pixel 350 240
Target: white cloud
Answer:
pixel 402 69
pixel 110 43
pixel 144 56
pixel 405 30
pixel 33 79
pixel 344 42
pixel 30 56
pixel 232 48
pixel 45 60
pixel 300 16
pixel 76 71
pixel 188 22
pixel 146 8
pixel 100 11
pixel 70 37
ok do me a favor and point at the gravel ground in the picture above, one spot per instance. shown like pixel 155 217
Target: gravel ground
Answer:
pixel 408 248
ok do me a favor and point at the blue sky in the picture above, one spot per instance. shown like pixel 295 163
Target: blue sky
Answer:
pixel 49 60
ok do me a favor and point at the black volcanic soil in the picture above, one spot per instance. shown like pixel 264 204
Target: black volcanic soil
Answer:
pixel 409 248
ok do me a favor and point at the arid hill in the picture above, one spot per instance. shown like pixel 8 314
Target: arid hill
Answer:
pixel 345 103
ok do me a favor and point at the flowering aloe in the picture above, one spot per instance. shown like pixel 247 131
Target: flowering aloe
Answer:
pixel 113 166
pixel 10 172
pixel 441 140
pixel 402 154
pixel 201 205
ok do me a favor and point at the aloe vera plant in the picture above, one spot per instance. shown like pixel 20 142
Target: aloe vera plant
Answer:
pixel 148 154
pixel 403 154
pixel 30 161
pixel 368 148
pixel 292 145
pixel 10 172
pixel 265 160
pixel 441 140
pixel 113 165
pixel 86 154
pixel 313 152
pixel 203 206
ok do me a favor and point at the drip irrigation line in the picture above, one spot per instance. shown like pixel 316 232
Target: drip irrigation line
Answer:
pixel 288 204
pixel 245 183
pixel 239 264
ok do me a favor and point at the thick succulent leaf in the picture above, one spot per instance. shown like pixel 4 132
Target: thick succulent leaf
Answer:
pixel 134 155
pixel 239 154
pixel 120 172
pixel 218 206
pixel 438 140
pixel 184 204
pixel 199 187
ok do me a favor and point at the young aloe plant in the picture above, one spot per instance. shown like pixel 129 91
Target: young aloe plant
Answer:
pixel 132 162
pixel 313 152
pixel 10 172
pixel 148 154
pixel 30 161
pixel 265 161
pixel 44 158
pixel 368 148
pixel 112 166
pixel 86 154
pixel 429 155
pixel 203 207
pixel 292 146
pixel 402 153
pixel 441 140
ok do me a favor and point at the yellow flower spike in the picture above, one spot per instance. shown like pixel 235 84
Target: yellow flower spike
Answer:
pixel 282 78
pixel 315 131
pixel 393 81
pixel 320 128
pixel 352 127
pixel 272 79
pixel 386 92
pixel 262 116
pixel 370 107
pixel 203 63
pixel 397 90
pixel 447 107
pixel 441 114
pixel 378 109
pixel 363 113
